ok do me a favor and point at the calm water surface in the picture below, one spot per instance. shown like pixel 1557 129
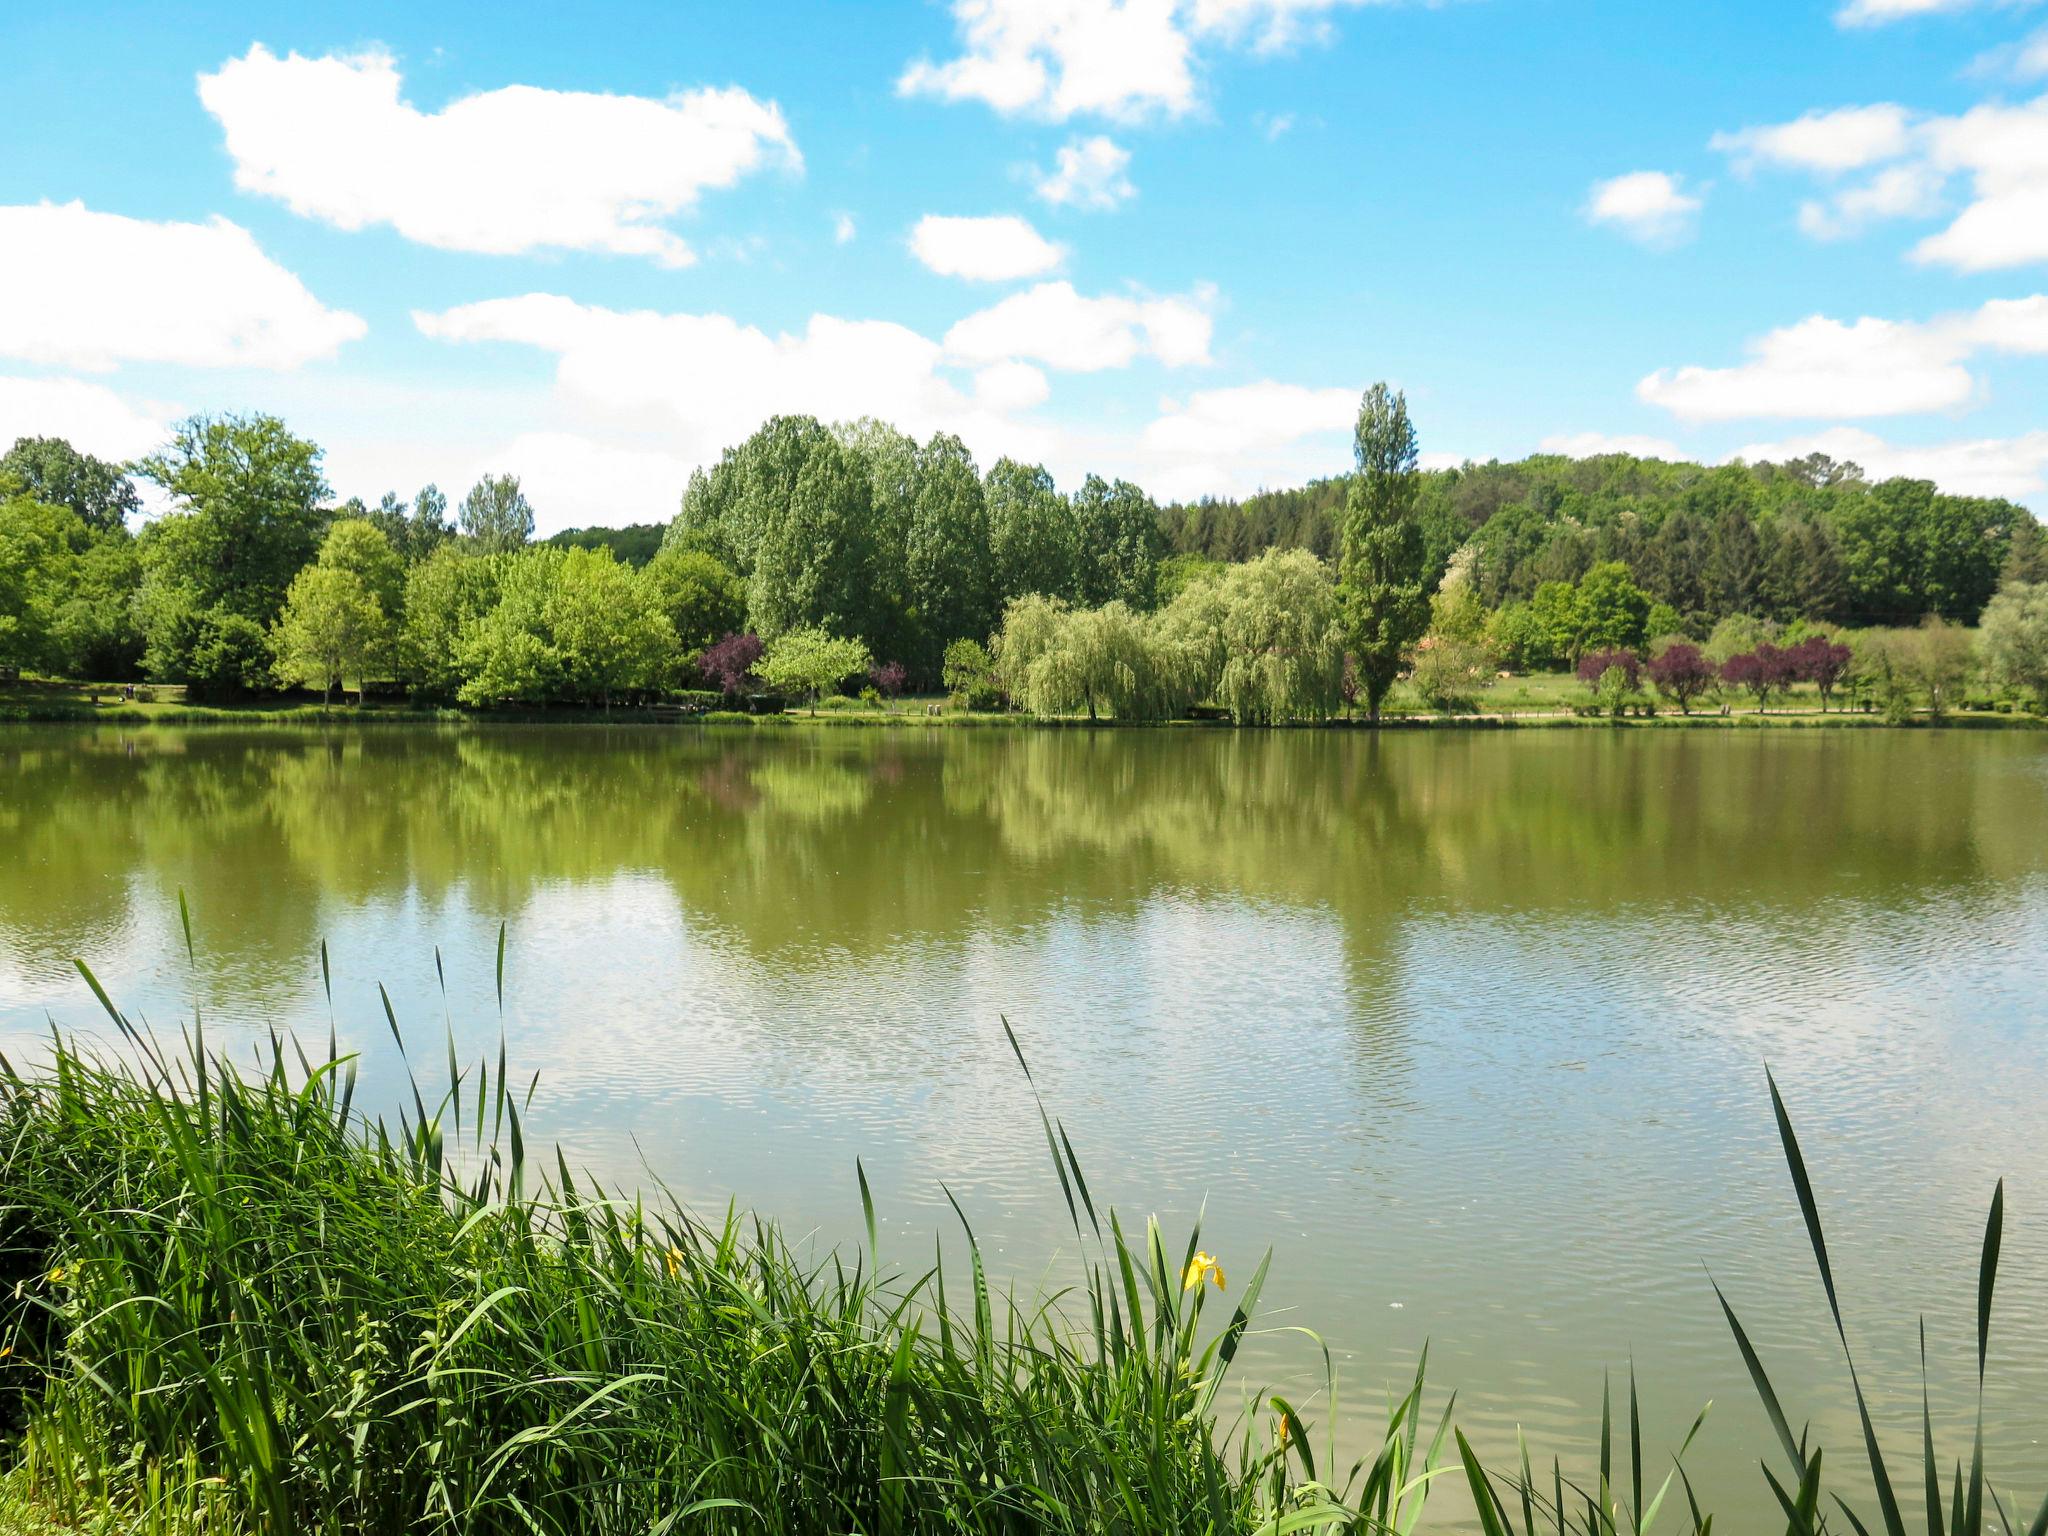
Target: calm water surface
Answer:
pixel 1468 1029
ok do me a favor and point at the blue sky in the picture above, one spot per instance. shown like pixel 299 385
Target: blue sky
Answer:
pixel 595 244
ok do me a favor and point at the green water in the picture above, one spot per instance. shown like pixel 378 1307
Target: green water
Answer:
pixel 1468 1028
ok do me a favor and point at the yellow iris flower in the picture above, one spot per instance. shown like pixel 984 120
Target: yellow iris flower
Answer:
pixel 674 1259
pixel 1202 1266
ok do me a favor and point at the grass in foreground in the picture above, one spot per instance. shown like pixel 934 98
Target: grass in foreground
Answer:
pixel 233 1305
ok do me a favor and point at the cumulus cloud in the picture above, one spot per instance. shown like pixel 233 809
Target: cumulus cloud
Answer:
pixel 1054 325
pixel 501 172
pixel 2000 151
pixel 2015 467
pixel 87 290
pixel 1248 418
pixel 1591 445
pixel 1844 139
pixel 1827 369
pixel 1875 13
pixel 90 416
pixel 1087 173
pixel 1011 387
pixel 1650 207
pixel 1123 59
pixel 987 250
pixel 704 382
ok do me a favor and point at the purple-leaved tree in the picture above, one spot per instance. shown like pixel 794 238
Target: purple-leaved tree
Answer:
pixel 730 663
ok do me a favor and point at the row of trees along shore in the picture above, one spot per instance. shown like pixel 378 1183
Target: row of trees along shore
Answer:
pixel 815 557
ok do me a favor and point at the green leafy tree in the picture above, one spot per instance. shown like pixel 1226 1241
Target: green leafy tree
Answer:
pixel 815 564
pixel 702 599
pixel 2026 554
pixel 1034 541
pixel 360 547
pixel 1943 659
pixel 968 674
pixel 94 627
pixel 245 518
pixel 2014 635
pixel 1119 544
pixel 51 471
pixel 1282 640
pixel 607 628
pixel 811 661
pixel 1383 565
pixel 508 653
pixel 38 568
pixel 947 556
pixel 331 630
pixel 496 516
pixel 445 595
pixel 1613 612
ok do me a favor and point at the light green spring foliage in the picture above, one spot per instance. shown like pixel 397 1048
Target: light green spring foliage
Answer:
pixel 809 662
pixel 567 624
pixel 444 595
pixel 1282 640
pixel 704 601
pixel 38 568
pixel 2014 637
pixel 331 630
pixel 1263 639
pixel 1898 668
pixel 360 547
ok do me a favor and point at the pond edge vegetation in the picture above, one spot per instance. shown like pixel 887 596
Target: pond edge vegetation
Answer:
pixel 235 1304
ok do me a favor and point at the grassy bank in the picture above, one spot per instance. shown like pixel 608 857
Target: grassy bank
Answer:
pixel 229 1303
pixel 1541 700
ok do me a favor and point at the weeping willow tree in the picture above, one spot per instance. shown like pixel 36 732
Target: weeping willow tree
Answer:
pixel 1282 640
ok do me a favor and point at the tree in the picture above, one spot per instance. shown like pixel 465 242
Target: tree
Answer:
pixel 807 662
pixel 245 518
pixel 509 653
pixel 730 662
pixel 427 529
pixel 1594 665
pixel 2026 554
pixel 1736 565
pixel 331 627
pixel 700 596
pixel 947 555
pixel 94 626
pixel 815 565
pixel 1034 542
pixel 51 471
pixel 496 516
pixel 1119 544
pixel 1942 658
pixel 1821 661
pixel 1381 576
pixel 2014 633
pixel 606 627
pixel 1762 672
pixel 38 568
pixel 1612 611
pixel 360 546
pixel 1681 673
pixel 1885 663
pixel 968 675
pixel 445 595
pixel 1281 639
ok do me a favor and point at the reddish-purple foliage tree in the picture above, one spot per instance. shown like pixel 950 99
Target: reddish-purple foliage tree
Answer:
pixel 888 678
pixel 1594 664
pixel 1681 674
pixel 1822 662
pixel 730 663
pixel 1762 675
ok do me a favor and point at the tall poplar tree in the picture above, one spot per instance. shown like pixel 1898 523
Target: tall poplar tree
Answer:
pixel 1383 567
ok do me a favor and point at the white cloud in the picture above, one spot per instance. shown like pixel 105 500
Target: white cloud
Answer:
pixel 1088 173
pixel 1896 192
pixel 987 250
pixel 2015 467
pixel 87 290
pixel 1591 445
pixel 2001 150
pixel 1054 325
pixel 1123 59
pixel 1651 207
pixel 1846 139
pixel 515 169
pixel 90 416
pixel 1248 418
pixel 844 229
pixel 1011 387
pixel 1875 13
pixel 700 383
pixel 1825 369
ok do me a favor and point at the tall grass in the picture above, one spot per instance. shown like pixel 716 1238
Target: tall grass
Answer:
pixel 233 1304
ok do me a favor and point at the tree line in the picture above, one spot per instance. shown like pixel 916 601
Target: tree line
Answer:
pixel 811 545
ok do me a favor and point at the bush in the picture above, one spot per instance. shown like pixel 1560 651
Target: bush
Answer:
pixel 696 699
pixel 969 676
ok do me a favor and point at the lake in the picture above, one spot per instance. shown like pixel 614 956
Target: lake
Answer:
pixel 1468 1028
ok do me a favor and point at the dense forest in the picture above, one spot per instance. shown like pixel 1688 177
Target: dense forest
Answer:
pixel 807 535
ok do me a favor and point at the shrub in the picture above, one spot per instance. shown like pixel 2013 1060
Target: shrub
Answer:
pixel 968 675
pixel 1594 666
pixel 1449 674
